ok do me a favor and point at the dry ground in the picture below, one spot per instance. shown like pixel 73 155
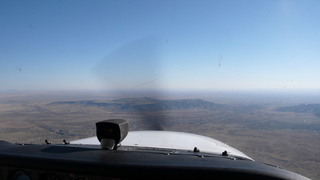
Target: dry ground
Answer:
pixel 288 140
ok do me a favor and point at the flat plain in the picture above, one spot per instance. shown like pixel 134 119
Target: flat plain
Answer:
pixel 247 121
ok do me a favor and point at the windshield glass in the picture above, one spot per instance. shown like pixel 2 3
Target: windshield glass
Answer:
pixel 242 72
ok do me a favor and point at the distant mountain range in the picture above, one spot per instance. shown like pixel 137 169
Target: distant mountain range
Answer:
pixel 146 104
pixel 302 108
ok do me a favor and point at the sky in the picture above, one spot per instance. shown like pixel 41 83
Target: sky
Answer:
pixel 175 45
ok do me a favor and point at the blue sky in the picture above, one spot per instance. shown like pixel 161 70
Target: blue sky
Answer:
pixel 84 45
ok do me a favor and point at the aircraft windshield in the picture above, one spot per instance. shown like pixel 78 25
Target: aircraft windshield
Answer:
pixel 243 72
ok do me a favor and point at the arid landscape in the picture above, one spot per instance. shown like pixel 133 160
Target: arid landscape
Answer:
pixel 277 129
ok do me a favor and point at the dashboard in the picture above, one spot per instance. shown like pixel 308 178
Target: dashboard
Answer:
pixel 11 173
pixel 84 162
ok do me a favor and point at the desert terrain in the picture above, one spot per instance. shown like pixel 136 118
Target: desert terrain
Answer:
pixel 278 129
